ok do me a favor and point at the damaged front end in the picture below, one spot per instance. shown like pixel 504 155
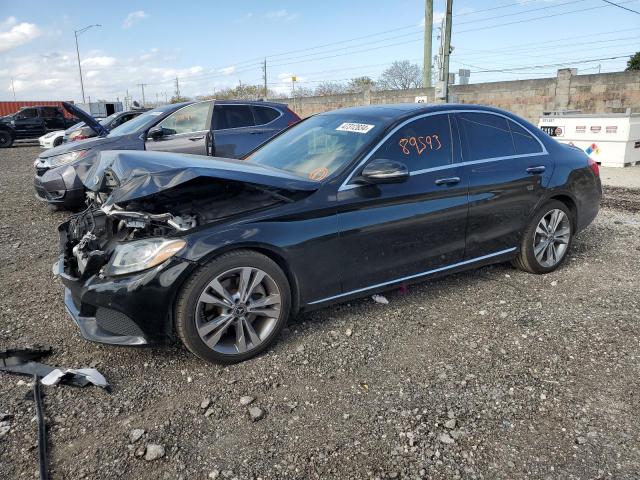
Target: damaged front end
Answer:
pixel 121 258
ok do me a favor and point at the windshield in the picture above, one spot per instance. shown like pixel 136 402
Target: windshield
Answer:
pixel 319 146
pixel 105 121
pixel 138 123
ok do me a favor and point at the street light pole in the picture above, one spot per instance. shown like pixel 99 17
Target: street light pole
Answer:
pixel 76 33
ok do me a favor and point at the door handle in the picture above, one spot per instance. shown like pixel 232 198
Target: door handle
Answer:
pixel 193 139
pixel 448 181
pixel 538 169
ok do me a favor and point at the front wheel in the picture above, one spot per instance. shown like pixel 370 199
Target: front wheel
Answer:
pixel 6 140
pixel 234 307
pixel 547 239
pixel 57 142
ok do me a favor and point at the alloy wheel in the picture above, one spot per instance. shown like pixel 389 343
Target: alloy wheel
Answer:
pixel 238 310
pixel 551 238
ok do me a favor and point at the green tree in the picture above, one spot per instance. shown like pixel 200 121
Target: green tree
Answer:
pixel 634 62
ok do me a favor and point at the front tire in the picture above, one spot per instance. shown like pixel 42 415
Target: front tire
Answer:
pixel 234 307
pixel 57 142
pixel 547 240
pixel 6 140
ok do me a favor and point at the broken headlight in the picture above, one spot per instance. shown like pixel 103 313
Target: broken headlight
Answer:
pixel 142 254
pixel 67 157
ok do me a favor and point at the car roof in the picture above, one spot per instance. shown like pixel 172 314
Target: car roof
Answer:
pixel 250 102
pixel 398 110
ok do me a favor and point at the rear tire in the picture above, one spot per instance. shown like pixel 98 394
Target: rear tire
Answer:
pixel 6 140
pixel 233 308
pixel 547 240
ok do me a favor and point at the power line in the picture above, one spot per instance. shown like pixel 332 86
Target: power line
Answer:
pixel 620 6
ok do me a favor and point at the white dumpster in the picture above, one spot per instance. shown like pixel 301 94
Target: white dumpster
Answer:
pixel 612 140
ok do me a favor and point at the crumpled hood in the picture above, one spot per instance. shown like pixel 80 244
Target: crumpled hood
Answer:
pixel 140 174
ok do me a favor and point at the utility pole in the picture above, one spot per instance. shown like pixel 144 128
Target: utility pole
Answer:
pixel 76 33
pixel 428 35
pixel 142 85
pixel 264 76
pixel 442 89
pixel 14 90
pixel 177 88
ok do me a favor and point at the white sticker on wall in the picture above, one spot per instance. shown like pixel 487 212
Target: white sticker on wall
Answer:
pixel 355 127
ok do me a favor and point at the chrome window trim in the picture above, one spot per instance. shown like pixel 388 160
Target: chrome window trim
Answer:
pixel 417 275
pixel 346 186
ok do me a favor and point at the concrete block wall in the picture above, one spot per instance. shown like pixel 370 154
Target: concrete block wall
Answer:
pixel 597 93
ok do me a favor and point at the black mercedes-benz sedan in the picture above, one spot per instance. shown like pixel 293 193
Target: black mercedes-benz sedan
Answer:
pixel 220 253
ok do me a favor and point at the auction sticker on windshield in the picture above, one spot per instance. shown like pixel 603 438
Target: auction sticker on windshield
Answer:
pixel 355 127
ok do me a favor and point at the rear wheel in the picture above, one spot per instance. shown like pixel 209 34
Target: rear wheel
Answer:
pixel 234 307
pixel 6 140
pixel 547 239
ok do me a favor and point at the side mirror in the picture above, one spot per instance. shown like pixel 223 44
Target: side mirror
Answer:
pixel 382 170
pixel 155 133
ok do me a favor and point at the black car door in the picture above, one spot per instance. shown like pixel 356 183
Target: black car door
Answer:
pixel 508 169
pixel 53 118
pixel 28 124
pixel 184 131
pixel 395 232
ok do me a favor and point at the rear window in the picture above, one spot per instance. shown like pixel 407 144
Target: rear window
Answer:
pixel 265 115
pixel 232 116
pixel 524 141
pixel 50 112
pixel 488 136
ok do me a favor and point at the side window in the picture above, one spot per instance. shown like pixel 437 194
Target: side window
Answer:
pixel 423 143
pixel 27 113
pixel 265 114
pixel 232 116
pixel 192 118
pixel 50 112
pixel 524 141
pixel 488 136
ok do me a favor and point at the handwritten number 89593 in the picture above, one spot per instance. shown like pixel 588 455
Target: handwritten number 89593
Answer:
pixel 420 144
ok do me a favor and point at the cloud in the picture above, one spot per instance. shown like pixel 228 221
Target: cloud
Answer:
pixel 98 62
pixel 14 34
pixel 227 70
pixel 281 15
pixel 133 18
pixel 245 17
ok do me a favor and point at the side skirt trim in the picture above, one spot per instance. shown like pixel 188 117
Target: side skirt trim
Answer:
pixel 417 275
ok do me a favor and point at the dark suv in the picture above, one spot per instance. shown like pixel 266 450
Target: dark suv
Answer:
pixel 224 128
pixel 32 122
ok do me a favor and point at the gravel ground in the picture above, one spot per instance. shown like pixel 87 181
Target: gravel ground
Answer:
pixel 493 373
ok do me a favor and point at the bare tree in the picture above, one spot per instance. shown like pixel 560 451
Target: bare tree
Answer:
pixel 330 88
pixel 401 76
pixel 360 84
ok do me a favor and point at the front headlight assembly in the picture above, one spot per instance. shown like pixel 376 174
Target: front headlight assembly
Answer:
pixel 142 254
pixel 67 157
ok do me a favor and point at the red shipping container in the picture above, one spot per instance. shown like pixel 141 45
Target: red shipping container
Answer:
pixel 7 108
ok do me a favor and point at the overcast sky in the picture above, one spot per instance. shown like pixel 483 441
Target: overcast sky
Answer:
pixel 211 45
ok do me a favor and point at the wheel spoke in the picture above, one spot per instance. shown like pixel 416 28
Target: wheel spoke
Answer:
pixel 244 283
pixel 272 299
pixel 253 336
pixel 217 287
pixel 539 250
pixel 213 340
pixel 241 343
pixel 210 299
pixel 266 312
pixel 257 279
pixel 210 326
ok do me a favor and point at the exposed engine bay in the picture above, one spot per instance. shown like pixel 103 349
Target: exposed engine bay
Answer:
pixel 93 234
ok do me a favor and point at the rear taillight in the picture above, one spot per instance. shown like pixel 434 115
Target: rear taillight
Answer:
pixel 593 165
pixel 295 118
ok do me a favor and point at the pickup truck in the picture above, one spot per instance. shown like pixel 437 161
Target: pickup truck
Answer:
pixel 32 122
